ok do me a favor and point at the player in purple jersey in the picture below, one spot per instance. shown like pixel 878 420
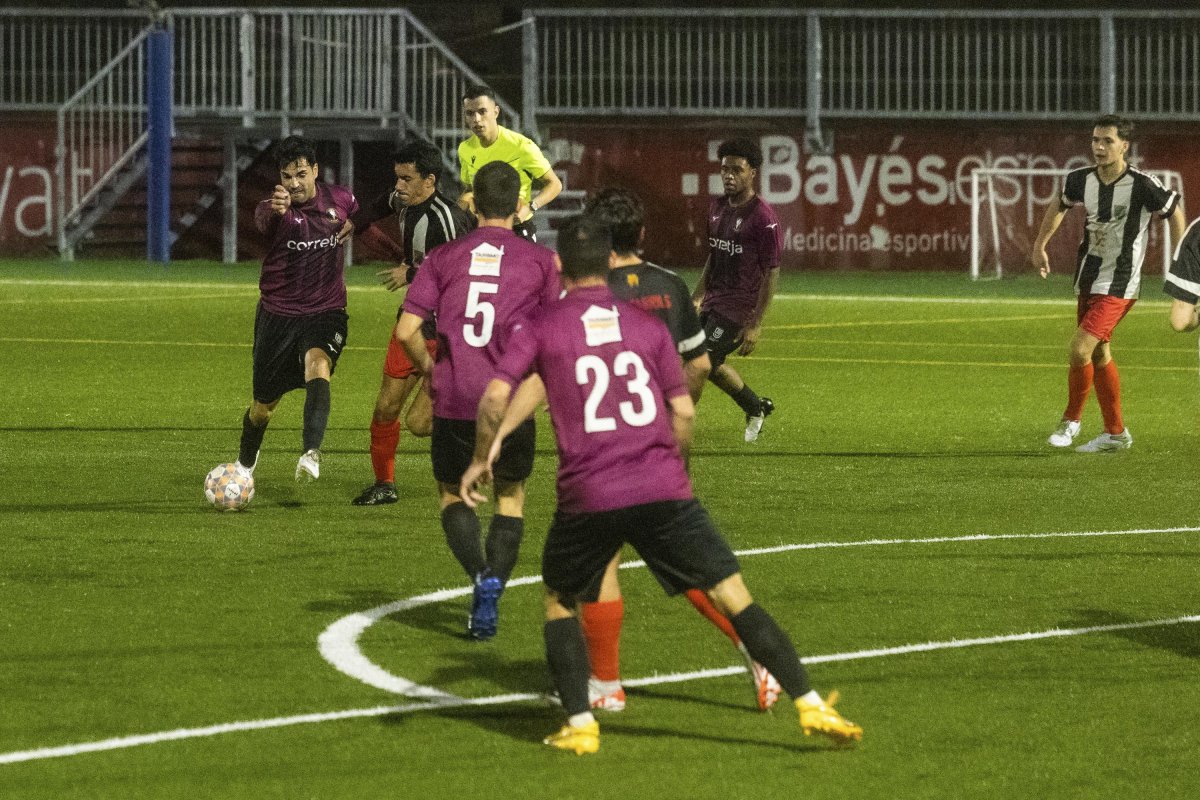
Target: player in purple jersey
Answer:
pixel 739 276
pixel 300 327
pixel 621 412
pixel 664 294
pixel 479 286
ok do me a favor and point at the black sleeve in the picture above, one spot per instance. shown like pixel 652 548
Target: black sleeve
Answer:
pixel 688 333
pixel 1183 280
pixel 370 214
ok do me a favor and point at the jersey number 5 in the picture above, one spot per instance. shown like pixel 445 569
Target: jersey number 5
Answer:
pixel 478 307
pixel 626 365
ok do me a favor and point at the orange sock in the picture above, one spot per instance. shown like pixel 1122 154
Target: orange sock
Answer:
pixel 602 630
pixel 384 439
pixel 700 600
pixel 1079 384
pixel 1108 393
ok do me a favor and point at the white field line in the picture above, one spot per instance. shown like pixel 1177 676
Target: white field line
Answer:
pixel 338 644
pixel 832 298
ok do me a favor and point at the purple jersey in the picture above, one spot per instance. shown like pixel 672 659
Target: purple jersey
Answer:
pixel 480 285
pixel 303 272
pixel 610 370
pixel 744 243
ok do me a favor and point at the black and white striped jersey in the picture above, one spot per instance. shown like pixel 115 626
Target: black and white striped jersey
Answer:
pixel 1183 279
pixel 1118 223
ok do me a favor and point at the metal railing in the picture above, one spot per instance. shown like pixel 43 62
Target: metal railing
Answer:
pixel 101 132
pixel 46 55
pixel 919 64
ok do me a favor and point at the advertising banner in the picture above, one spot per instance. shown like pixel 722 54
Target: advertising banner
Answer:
pixel 26 188
pixel 894 197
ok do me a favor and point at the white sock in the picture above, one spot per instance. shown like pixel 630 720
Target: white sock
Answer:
pixel 813 699
pixel 579 720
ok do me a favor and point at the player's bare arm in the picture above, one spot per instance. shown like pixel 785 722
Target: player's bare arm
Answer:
pixel 345 232
pixel 408 333
pixel 466 201
pixel 683 420
pixel 753 330
pixel 395 277
pixel 1185 316
pixel 1177 223
pixel 1053 217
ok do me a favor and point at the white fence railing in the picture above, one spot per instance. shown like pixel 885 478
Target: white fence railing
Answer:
pixel 101 130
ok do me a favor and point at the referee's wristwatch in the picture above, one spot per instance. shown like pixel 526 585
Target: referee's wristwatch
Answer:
pixel 533 206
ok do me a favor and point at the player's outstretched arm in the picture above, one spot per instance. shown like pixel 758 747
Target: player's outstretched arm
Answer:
pixel 1178 225
pixel 393 278
pixel 1053 217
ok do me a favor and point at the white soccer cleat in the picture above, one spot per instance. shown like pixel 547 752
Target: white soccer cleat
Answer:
pixel 308 468
pixel 1108 443
pixel 606 695
pixel 1067 430
pixel 250 468
pixel 755 422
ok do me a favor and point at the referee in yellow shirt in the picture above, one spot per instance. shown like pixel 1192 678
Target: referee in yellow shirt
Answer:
pixel 490 141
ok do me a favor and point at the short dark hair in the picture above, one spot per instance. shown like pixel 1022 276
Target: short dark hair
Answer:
pixel 426 157
pixel 741 148
pixel 294 148
pixel 624 214
pixel 480 90
pixel 584 244
pixel 1123 125
pixel 497 190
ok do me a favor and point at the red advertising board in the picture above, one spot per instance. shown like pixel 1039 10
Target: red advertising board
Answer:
pixel 884 197
pixel 26 187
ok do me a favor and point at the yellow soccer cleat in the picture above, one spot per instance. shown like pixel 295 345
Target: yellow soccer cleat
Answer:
pixel 584 739
pixel 821 718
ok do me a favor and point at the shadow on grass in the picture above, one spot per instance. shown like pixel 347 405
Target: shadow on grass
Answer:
pixel 1182 639
pixel 530 722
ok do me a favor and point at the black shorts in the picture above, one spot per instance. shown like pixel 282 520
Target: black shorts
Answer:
pixel 721 336
pixel 280 344
pixel 676 538
pixel 453 445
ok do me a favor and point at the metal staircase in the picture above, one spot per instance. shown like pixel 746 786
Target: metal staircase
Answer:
pixel 251 74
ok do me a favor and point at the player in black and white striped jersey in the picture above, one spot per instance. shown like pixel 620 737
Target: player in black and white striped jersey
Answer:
pixel 1120 202
pixel 1183 281
pixel 427 219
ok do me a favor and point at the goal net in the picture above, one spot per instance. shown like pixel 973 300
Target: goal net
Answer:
pixel 1007 205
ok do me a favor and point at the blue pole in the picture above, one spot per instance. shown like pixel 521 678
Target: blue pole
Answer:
pixel 158 173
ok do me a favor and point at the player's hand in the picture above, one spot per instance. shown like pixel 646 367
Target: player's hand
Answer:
pixel 346 232
pixel 281 200
pixel 394 277
pixel 750 338
pixel 524 212
pixel 1040 261
pixel 477 476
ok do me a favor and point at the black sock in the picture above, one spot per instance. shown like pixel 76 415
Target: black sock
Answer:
pixel 503 543
pixel 252 437
pixel 566 654
pixel 747 400
pixel 462 535
pixel 316 412
pixel 770 646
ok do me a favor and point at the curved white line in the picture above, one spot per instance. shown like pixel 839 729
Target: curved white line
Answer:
pixel 501 699
pixel 339 642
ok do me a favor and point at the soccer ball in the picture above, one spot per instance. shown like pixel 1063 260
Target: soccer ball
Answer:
pixel 229 487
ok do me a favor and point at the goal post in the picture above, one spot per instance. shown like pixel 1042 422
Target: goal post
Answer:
pixel 1007 205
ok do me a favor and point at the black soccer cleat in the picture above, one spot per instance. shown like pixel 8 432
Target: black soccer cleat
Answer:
pixel 377 494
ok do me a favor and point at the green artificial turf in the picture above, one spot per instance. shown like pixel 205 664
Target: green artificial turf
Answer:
pixel 129 607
